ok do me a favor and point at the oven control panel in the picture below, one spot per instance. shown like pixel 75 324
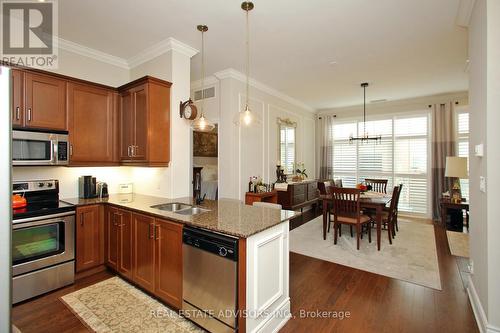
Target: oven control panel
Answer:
pixel 35 185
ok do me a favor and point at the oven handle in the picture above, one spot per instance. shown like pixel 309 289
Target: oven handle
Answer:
pixel 42 219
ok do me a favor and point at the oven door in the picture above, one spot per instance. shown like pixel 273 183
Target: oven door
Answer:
pixel 42 242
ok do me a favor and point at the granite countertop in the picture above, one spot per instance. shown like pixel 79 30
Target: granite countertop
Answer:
pixel 227 216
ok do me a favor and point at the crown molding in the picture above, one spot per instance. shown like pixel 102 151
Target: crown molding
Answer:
pixel 209 81
pixel 88 52
pixel 166 45
pixel 237 75
pixel 464 13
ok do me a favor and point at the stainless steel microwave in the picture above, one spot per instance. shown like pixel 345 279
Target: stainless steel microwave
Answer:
pixel 39 148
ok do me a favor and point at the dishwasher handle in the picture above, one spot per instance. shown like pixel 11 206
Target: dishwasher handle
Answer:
pixel 219 245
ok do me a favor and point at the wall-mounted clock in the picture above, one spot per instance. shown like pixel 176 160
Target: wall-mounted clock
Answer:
pixel 188 110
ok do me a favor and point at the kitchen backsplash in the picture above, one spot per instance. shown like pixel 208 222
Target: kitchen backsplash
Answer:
pixel 68 177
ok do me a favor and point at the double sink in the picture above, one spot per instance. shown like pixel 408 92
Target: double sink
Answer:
pixel 180 208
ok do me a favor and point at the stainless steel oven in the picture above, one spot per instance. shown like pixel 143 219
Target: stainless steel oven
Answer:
pixel 39 148
pixel 43 254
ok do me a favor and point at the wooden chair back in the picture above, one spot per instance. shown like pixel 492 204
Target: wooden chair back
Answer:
pixel 394 203
pixel 346 202
pixel 378 185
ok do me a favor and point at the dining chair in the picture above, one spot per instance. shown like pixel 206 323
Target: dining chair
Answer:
pixel 389 216
pixel 347 210
pixel 378 185
pixel 397 209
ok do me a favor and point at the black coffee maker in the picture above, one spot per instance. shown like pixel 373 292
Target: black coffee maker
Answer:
pixel 87 187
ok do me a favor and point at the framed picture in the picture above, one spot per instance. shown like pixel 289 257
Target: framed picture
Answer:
pixel 205 144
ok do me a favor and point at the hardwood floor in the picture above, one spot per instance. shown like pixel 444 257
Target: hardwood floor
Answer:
pixel 375 303
pixel 378 303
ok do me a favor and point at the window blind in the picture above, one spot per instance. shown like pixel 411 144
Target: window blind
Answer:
pixel 400 157
pixel 463 145
pixel 287 148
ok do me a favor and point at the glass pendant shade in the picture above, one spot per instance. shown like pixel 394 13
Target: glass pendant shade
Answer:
pixel 202 124
pixel 246 117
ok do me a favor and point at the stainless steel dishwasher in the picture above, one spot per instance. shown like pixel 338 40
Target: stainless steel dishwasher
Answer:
pixel 210 279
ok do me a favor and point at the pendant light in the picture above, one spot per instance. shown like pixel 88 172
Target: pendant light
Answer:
pixel 202 124
pixel 365 137
pixel 246 117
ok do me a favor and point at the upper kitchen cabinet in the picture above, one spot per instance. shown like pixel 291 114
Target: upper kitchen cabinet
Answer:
pixel 44 102
pixel 145 122
pixel 17 97
pixel 92 125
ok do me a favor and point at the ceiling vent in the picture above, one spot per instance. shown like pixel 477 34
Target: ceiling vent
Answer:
pixel 207 93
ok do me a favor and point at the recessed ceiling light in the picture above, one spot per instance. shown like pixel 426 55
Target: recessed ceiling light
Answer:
pixel 333 62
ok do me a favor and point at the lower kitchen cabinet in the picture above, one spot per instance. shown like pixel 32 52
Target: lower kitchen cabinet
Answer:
pixel 144 251
pixel 89 237
pixel 119 238
pixel 168 259
pixel 155 246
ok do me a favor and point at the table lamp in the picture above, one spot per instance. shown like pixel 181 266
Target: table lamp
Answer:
pixel 456 167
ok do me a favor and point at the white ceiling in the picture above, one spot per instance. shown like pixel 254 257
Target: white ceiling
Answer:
pixel 404 48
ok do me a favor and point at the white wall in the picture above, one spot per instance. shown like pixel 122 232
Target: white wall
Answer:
pixel 171 66
pixel 484 77
pixel 245 152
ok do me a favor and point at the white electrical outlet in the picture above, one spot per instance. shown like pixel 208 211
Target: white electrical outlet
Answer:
pixel 471 267
pixel 482 184
pixel 479 150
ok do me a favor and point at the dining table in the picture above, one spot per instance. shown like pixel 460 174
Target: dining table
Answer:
pixel 368 200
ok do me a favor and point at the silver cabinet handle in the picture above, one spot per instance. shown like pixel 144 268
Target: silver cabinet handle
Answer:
pixel 129 149
pixel 29 114
pixel 17 113
pixel 70 150
pixel 133 150
pixel 136 149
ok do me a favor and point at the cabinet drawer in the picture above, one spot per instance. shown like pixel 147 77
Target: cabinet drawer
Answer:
pixel 298 189
pixel 312 191
pixel 298 199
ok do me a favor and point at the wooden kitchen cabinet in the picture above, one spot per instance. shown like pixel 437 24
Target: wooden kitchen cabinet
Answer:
pixel 17 98
pixel 119 239
pixel 44 101
pixel 89 238
pixel 92 124
pixel 145 122
pixel 168 259
pixel 144 251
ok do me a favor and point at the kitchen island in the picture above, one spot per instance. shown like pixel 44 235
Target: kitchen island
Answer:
pixel 263 302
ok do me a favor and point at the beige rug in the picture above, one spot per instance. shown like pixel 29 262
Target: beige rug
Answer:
pixel 458 243
pixel 114 305
pixel 412 256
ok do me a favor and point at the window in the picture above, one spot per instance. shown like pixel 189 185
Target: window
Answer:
pixel 463 144
pixel 401 156
pixel 287 145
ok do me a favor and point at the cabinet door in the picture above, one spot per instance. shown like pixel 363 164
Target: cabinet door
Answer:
pixel 126 125
pixel 17 98
pixel 141 123
pixel 88 237
pixel 125 243
pixel 45 102
pixel 112 241
pixel 144 254
pixel 168 246
pixel 91 118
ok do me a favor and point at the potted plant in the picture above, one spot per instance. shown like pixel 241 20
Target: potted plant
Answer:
pixel 300 171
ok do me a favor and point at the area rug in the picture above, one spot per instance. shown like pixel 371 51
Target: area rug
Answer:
pixel 458 243
pixel 113 305
pixel 412 256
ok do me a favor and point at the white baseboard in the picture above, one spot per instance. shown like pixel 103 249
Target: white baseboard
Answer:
pixel 477 307
pixel 275 322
